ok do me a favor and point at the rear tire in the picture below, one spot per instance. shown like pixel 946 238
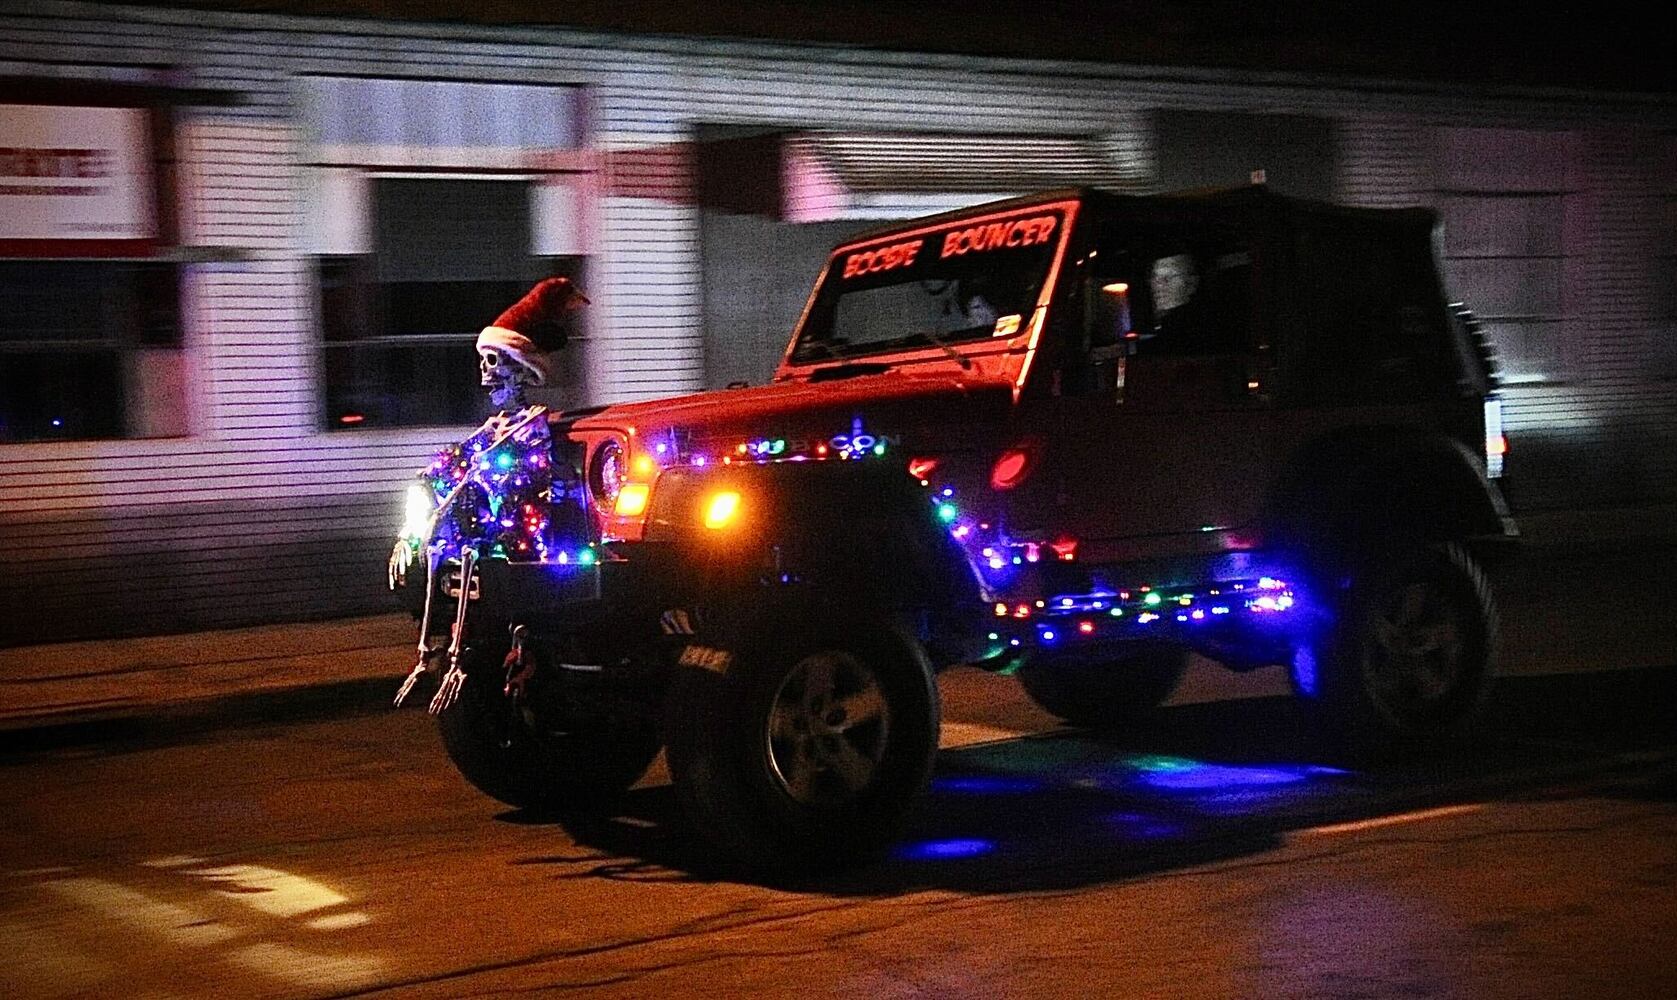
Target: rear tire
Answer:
pixel 1406 662
pixel 804 752
pixel 1105 694
pixel 516 755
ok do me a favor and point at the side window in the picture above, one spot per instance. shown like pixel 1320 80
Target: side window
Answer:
pixel 1202 302
pixel 1375 326
pixel 1165 321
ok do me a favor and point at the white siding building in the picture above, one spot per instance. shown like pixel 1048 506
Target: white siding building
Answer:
pixel 337 205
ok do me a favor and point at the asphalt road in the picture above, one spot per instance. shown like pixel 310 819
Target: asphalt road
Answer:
pixel 1206 856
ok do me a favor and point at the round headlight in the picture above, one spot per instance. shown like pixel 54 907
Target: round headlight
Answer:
pixel 607 473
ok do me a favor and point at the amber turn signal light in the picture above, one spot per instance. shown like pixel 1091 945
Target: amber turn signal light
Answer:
pixel 631 500
pixel 722 509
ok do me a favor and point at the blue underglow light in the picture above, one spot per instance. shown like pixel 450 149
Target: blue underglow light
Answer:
pixel 1144 827
pixel 986 784
pixel 946 850
pixel 1304 670
pixel 1048 635
pixel 1185 774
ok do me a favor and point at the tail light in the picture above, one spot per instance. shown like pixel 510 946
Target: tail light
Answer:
pixel 1496 442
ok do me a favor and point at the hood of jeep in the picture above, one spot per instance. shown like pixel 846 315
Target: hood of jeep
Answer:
pixel 903 410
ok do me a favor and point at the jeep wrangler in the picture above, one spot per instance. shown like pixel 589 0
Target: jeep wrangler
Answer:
pixel 1074 436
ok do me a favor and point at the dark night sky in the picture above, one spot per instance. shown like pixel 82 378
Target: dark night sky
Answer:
pixel 1578 45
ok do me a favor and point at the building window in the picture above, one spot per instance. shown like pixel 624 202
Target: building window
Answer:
pixel 447 255
pixel 434 205
pixel 1502 198
pixel 89 349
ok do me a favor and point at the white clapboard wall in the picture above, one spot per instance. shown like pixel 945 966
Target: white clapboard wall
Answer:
pixel 261 515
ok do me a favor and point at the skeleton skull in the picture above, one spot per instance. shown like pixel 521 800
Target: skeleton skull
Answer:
pixel 505 378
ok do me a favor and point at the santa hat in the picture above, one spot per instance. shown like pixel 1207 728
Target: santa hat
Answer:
pixel 530 327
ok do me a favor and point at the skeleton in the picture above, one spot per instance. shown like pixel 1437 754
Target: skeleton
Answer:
pixel 509 363
pixel 499 428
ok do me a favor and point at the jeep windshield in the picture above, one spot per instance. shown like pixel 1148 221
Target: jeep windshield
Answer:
pixel 963 281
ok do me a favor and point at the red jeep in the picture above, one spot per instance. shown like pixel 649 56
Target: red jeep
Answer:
pixel 1075 435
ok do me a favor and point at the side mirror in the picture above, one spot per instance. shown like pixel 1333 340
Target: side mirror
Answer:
pixel 1112 323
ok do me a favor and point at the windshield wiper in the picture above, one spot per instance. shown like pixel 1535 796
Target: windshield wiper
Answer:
pixel 960 359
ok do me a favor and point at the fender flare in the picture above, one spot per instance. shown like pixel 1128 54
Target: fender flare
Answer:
pixel 1386 480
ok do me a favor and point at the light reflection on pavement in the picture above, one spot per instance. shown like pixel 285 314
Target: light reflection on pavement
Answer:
pixel 1210 854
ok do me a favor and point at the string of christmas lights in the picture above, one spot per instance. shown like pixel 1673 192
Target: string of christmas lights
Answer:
pixel 494 491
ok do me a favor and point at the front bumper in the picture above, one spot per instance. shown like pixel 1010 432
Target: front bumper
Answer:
pixel 500 589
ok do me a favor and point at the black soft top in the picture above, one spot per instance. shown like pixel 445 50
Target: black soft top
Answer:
pixel 1253 206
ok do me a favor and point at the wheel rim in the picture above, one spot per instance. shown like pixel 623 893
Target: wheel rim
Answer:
pixel 827 729
pixel 1415 656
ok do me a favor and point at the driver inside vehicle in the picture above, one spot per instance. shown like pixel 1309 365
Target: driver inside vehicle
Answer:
pixel 1178 314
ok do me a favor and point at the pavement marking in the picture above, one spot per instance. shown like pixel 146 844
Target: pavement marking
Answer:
pixel 188 927
pixel 270 890
pixel 1379 821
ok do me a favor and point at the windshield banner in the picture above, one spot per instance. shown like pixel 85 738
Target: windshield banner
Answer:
pixel 1029 228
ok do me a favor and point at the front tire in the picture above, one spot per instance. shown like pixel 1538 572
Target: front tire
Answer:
pixel 518 755
pixel 1105 692
pixel 802 753
pixel 1407 659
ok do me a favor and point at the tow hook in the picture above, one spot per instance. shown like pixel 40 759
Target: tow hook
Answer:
pixel 520 667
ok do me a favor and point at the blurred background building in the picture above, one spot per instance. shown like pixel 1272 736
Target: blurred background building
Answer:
pixel 244 247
